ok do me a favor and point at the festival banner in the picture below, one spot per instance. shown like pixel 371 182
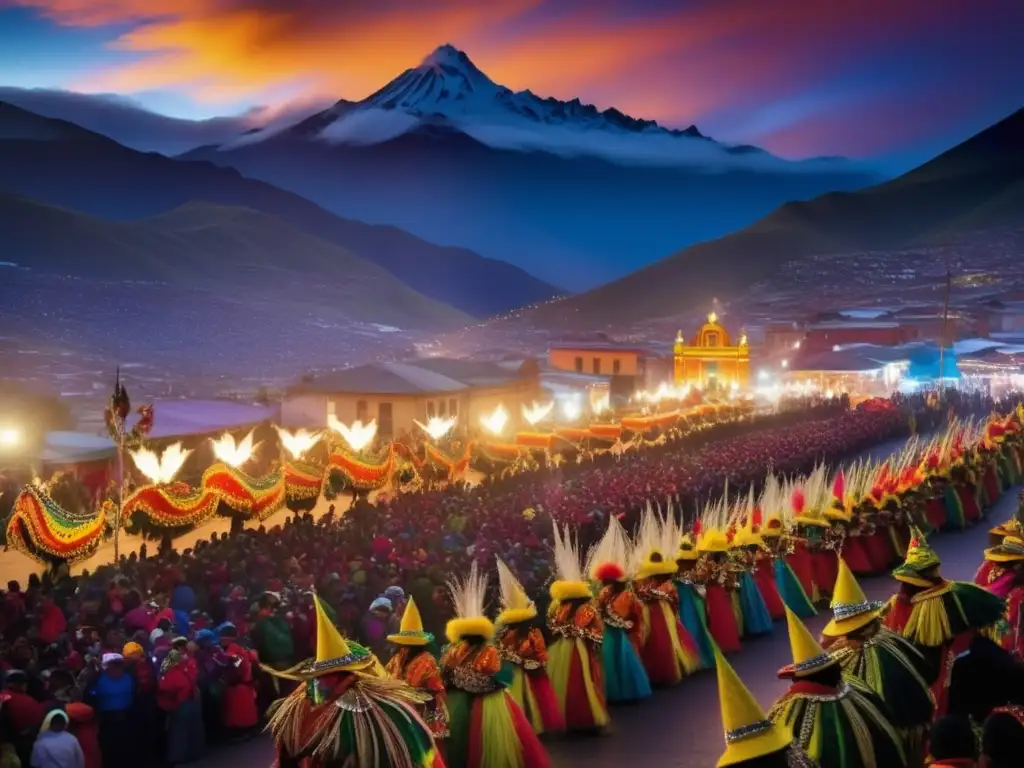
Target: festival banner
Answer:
pixel 363 476
pixel 38 525
pixel 175 505
pixel 257 497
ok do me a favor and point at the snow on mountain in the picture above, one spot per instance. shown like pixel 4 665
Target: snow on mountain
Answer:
pixel 448 89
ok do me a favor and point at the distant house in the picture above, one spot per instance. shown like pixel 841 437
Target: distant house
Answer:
pixel 396 394
pixel 823 336
pixel 627 365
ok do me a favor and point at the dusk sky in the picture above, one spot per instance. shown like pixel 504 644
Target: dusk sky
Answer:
pixel 889 81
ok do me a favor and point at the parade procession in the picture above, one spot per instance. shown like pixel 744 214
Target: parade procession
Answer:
pixel 510 628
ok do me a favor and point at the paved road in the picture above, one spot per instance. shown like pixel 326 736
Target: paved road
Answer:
pixel 681 727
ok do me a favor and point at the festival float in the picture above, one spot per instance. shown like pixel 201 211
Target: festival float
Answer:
pixel 447 468
pixel 241 496
pixel 303 477
pixel 166 508
pixel 351 463
pixel 49 533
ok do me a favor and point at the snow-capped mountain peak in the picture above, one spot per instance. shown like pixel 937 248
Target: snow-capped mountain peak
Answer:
pixel 449 91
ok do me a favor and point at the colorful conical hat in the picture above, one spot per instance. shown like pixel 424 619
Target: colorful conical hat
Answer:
pixel 808 655
pixel 1010 550
pixel 749 734
pixel 333 652
pixel 920 557
pixel 411 632
pixel 851 609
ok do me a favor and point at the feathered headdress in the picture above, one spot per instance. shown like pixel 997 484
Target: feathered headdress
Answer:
pixel 570 583
pixel 468 597
pixel 609 558
pixel 516 606
pixel 654 547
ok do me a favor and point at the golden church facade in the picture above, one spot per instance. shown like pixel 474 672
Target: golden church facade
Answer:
pixel 711 361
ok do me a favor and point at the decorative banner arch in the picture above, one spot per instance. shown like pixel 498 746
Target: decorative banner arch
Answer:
pixel 254 497
pixel 174 505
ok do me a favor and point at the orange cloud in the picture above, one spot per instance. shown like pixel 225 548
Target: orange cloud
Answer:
pixel 677 63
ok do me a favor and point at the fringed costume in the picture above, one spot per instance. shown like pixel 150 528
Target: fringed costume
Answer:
pixel 720 580
pixel 345 714
pixel 487 727
pixel 575 659
pixel 887 663
pixel 756 618
pixel 790 589
pixel 837 721
pixel 521 644
pixel 1006 580
pixel 692 611
pixel 414 664
pixel 939 617
pixel 625 678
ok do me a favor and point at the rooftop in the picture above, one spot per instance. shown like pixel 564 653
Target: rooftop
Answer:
pixel 426 375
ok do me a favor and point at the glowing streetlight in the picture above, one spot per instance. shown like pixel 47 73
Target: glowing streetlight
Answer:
pixel 436 426
pixel 232 453
pixel 160 469
pixel 495 421
pixel 601 404
pixel 762 375
pixel 9 437
pixel 785 363
pixel 571 408
pixel 358 436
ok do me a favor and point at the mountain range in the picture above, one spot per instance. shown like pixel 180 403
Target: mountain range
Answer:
pixel 62 164
pixel 977 186
pixel 570 193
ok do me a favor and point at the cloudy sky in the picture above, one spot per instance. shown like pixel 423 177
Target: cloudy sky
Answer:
pixel 888 81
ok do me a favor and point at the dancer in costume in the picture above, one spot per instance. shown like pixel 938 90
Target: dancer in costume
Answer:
pixel 414 664
pixel 884 661
pixel 625 678
pixel 837 721
pixel 745 546
pixel 751 739
pixel 940 617
pixel 805 534
pixel 790 589
pixel 720 581
pixel 762 567
pixel 347 714
pixel 1006 580
pixel 487 727
pixel 576 659
pixel 845 528
pixel 521 644
pixel 692 611
pixel 667 650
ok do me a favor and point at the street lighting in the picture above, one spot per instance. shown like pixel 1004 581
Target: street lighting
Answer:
pixel 785 363
pixel 9 437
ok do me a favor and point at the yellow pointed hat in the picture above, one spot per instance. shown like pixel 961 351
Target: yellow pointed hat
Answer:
pixel 411 631
pixel 333 652
pixel 851 609
pixel 713 540
pixel 749 734
pixel 808 655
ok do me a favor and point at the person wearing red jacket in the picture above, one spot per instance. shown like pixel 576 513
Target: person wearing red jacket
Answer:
pixel 83 726
pixel 238 705
pixel 52 621
pixel 178 697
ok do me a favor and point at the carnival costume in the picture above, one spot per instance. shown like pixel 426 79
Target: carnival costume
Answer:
pixel 790 589
pixel 884 661
pixel 806 533
pixel 1006 580
pixel 846 529
pixel 762 566
pixel 625 678
pixel 719 579
pixel 837 721
pixel 414 664
pixel 692 611
pixel 940 617
pixel 521 644
pixel 487 727
pixel 576 658
pixel 756 618
pixel 668 652
pixel 750 737
pixel 346 714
